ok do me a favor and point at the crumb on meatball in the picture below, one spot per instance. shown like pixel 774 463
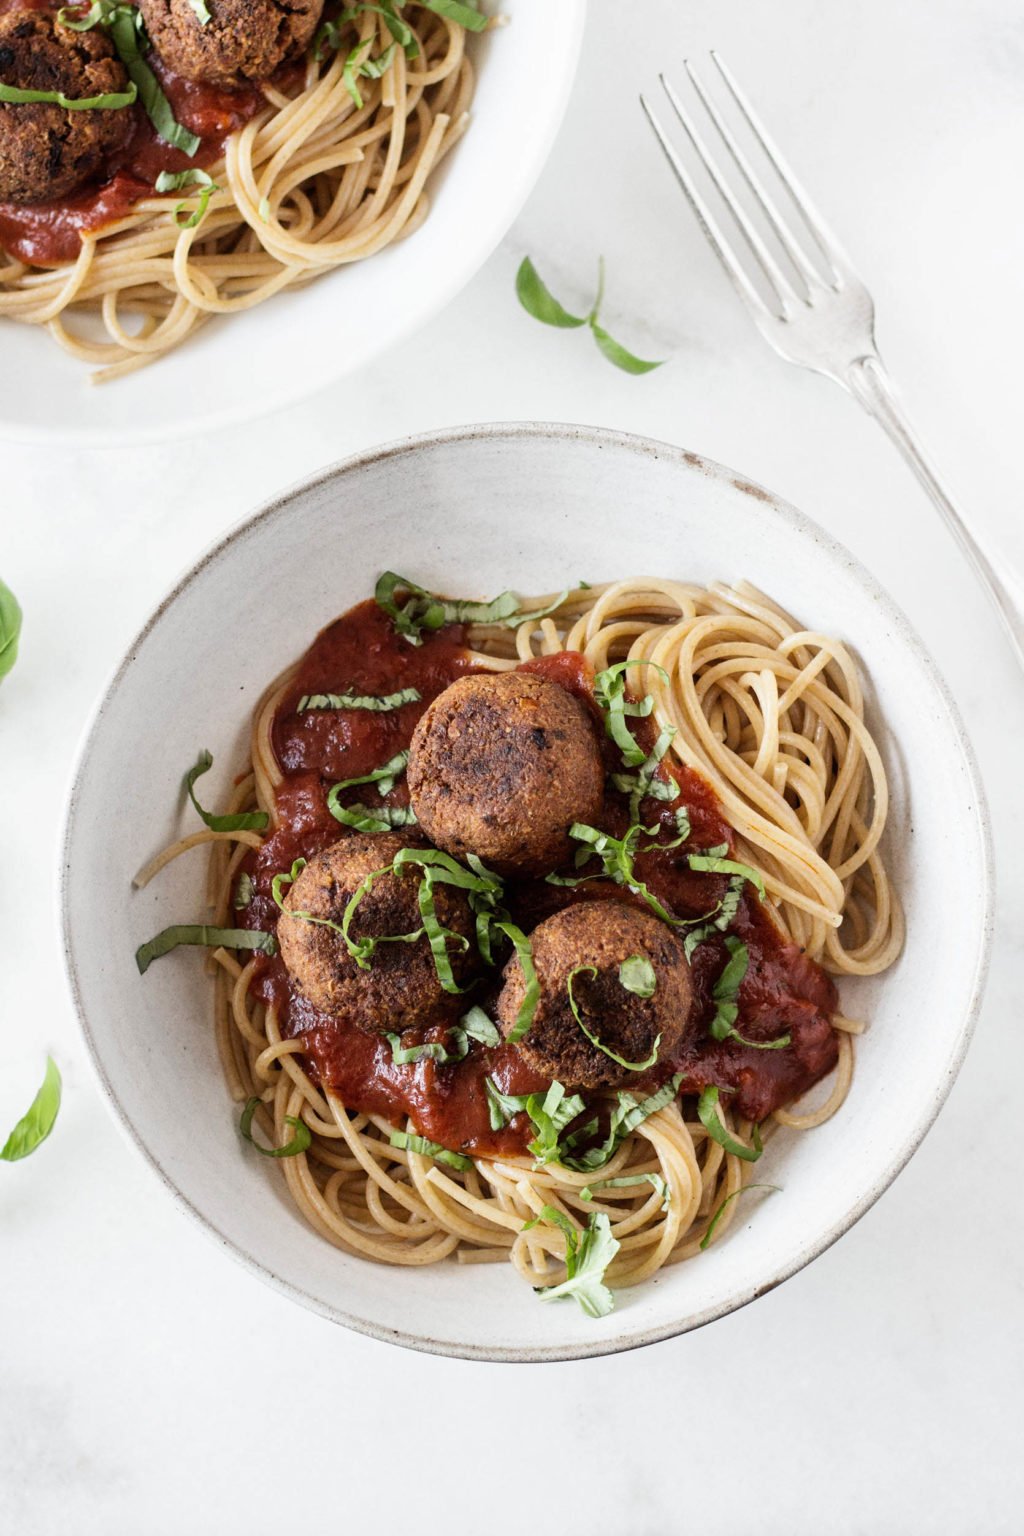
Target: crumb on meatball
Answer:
pixel 598 934
pixel 401 986
pixel 46 151
pixel 501 765
pixel 243 40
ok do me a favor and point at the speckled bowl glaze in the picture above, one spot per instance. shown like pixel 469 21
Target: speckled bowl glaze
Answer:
pixel 473 511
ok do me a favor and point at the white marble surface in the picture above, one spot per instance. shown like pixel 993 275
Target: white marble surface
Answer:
pixel 148 1385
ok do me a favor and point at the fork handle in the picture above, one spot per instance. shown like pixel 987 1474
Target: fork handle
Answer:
pixel 870 384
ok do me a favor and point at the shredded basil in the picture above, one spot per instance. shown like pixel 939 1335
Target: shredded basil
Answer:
pixel 637 975
pixel 38 1120
pixel 475 1025
pixel 283 878
pixel 299 1142
pixel 712 863
pixel 502 1107
pixel 438 935
pixel 531 994
pixel 245 890
pixel 425 610
pixel 628 1181
pixel 10 629
pixel 378 704
pixel 385 777
pixel 110 101
pixel 628 1113
pixel 539 302
pixel 718 919
pixel 465 15
pixel 725 995
pixel 128 34
pixel 366 818
pixel 630 1066
pixel 716 1218
pixel 587 1257
pixel 707 1113
pixel 244 821
pixel 168 181
pixel 643 784
pixel 408 1141
pixel 610 693
pixel 202 12
pixel 205 935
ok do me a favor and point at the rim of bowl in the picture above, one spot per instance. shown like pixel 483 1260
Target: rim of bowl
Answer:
pixel 907 635
pixel 235 415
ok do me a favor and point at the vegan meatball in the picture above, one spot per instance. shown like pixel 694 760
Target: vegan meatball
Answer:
pixel 501 765
pixel 46 150
pixel 243 39
pixel 600 935
pixel 401 986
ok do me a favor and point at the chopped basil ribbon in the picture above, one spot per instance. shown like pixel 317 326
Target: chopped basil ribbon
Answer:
pixel 357 63
pixel 205 935
pixel 384 777
pixel 629 1112
pixel 539 302
pixel 425 610
pixel 169 181
pixel 475 1025
pixel 630 1066
pixel 299 1142
pixel 617 855
pixel 407 1141
pixel 10 629
pixel 718 919
pixel 724 996
pixel 643 785
pixel 610 693
pixel 711 862
pixel 283 878
pixel 627 1181
pixel 550 1112
pixel 38 1120
pixel 111 101
pixel 531 995
pixel 244 821
pixel 438 935
pixel 128 34
pixel 366 818
pixel 244 891
pixel 707 1113
pixel 465 15
pixel 378 704
pixel 587 1256
pixel 637 975
pixel 716 1218
pixel 202 12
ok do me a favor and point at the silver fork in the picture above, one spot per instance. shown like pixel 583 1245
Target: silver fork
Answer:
pixel 822 320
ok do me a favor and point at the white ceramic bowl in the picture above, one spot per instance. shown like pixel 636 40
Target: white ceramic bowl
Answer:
pixel 474 511
pixel 280 352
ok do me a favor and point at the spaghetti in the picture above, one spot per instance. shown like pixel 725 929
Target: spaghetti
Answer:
pixel 313 181
pixel 770 717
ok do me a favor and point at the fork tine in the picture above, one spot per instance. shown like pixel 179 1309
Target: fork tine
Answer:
pixel 784 289
pixel 740 281
pixel 824 238
pixel 791 247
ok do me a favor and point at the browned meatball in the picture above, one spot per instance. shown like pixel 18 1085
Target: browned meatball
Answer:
pixel 401 986
pixel 601 934
pixel 243 40
pixel 46 150
pixel 501 765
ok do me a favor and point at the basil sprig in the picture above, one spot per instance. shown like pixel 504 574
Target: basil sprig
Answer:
pixel 10 629
pixel 425 610
pixel 716 1218
pixel 408 1141
pixel 707 1114
pixel 38 1120
pixel 130 39
pixel 538 301
pixel 379 704
pixel 587 1257
pixel 170 181
pixel 109 101
pixel 299 1142
pixel 204 935
pixel 243 821
pixel 629 1066
pixel 725 996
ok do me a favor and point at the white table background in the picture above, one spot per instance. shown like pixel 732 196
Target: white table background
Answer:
pixel 148 1385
